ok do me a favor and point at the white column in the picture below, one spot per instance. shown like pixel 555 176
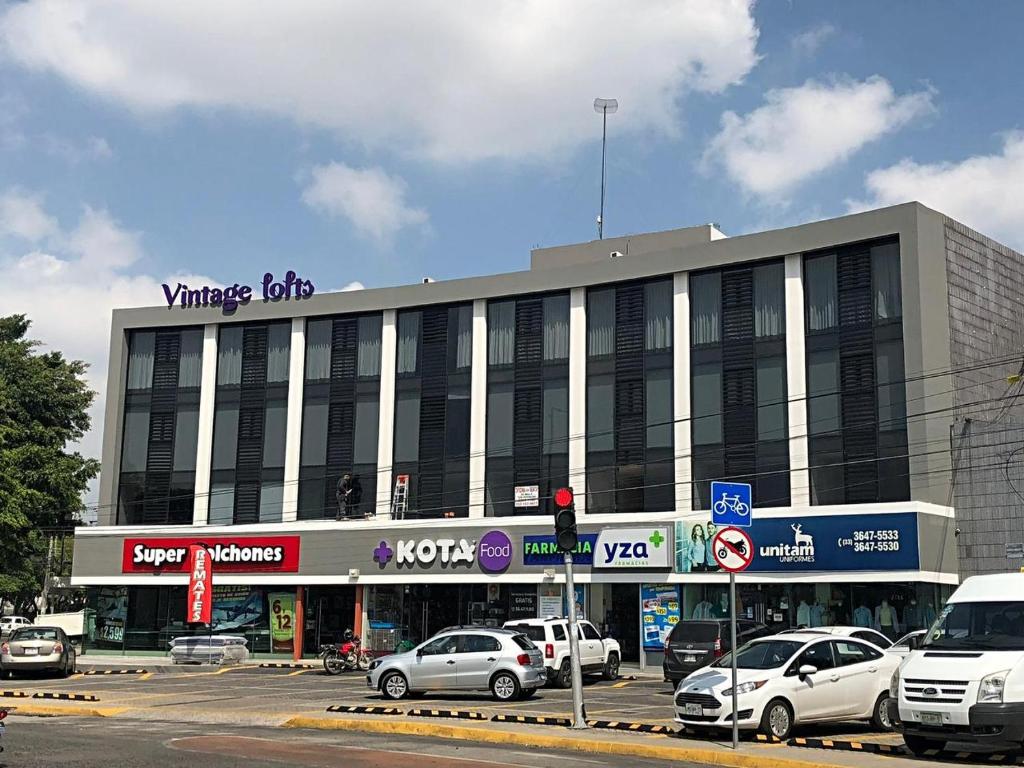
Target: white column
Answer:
pixel 204 447
pixel 578 396
pixel 386 425
pixel 681 391
pixel 478 411
pixel 293 432
pixel 796 383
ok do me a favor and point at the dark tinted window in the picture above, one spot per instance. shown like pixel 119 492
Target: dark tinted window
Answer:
pixel 873 637
pixel 558 631
pixel 34 633
pixel 695 632
pixel 590 633
pixel 442 645
pixel 819 656
pixel 479 644
pixel 767 655
pixel 849 653
pixel 531 631
pixel 523 642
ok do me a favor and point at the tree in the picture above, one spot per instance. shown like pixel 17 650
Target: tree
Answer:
pixel 44 403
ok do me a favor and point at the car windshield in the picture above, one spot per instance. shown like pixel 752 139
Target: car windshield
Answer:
pixel 35 633
pixel 765 654
pixel 997 626
pixel 530 630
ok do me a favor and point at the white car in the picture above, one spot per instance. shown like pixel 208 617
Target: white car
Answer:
pixel 791 679
pixel 861 633
pixel 10 623
pixel 902 647
pixel 598 655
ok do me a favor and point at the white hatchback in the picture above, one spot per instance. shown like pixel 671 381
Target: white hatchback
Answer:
pixel 785 680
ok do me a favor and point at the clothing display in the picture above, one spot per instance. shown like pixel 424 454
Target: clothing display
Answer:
pixel 862 617
pixel 928 615
pixel 698 551
pixel 704 610
pixel 886 620
pixel 817 612
pixel 912 616
pixel 722 609
pixel 803 614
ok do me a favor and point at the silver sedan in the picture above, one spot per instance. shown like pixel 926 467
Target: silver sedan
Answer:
pixel 32 649
pixel 502 661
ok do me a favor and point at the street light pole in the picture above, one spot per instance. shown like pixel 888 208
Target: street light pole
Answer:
pixel 604 106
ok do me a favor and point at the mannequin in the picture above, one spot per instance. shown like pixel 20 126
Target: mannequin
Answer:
pixel 817 614
pixel 803 614
pixel 703 610
pixel 862 616
pixel 912 616
pixel 722 609
pixel 928 615
pixel 886 620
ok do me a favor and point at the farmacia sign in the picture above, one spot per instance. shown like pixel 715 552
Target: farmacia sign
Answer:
pixel 234 296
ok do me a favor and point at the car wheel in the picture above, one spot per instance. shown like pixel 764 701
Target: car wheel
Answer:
pixel 880 716
pixel 564 677
pixel 64 669
pixel 611 667
pixel 394 686
pixel 777 719
pixel 504 687
pixel 920 745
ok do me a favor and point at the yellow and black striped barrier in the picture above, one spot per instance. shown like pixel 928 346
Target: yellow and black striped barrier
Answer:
pixel 459 714
pixel 616 725
pixel 364 710
pixel 533 720
pixel 271 665
pixel 14 694
pixel 65 696
pixel 115 672
pixel 877 748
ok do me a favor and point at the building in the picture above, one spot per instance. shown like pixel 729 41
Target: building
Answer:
pixel 851 370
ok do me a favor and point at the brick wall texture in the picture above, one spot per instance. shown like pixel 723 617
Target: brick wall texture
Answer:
pixel 986 315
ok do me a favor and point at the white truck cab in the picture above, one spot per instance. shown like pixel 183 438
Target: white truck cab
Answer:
pixel 963 681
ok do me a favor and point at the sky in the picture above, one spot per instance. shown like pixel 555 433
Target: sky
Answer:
pixel 368 144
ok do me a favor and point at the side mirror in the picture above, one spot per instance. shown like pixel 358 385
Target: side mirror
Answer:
pixel 419 652
pixel 807 670
pixel 914 642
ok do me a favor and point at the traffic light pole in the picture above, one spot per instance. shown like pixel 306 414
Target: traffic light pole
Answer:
pixel 579 718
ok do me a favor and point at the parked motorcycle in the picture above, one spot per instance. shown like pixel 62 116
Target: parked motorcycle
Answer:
pixel 346 655
pixel 3 715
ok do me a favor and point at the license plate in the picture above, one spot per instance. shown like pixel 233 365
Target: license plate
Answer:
pixel 31 651
pixel 931 718
pixel 689 659
pixel 693 709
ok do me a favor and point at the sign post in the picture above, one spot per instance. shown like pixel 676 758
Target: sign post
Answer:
pixel 733 550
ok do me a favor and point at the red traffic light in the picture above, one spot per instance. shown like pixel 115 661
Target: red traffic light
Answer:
pixel 563 497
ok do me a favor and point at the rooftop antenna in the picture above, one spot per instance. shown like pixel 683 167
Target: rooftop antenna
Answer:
pixel 605 107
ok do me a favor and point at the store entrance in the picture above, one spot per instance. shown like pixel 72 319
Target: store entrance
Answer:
pixel 429 608
pixel 329 612
pixel 622 619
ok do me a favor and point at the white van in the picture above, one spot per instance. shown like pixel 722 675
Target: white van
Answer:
pixel 963 681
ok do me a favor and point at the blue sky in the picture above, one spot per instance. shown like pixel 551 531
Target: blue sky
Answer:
pixel 376 143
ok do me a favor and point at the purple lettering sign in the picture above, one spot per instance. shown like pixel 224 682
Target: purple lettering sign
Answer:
pixel 494 552
pixel 234 296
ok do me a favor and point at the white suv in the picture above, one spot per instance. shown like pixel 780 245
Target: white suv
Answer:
pixel 10 623
pixel 598 655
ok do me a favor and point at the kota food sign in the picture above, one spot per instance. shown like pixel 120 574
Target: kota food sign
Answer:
pixel 231 297
pixel 200 586
pixel 492 553
pixel 230 554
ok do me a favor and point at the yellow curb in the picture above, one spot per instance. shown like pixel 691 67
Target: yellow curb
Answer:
pixel 146 676
pixel 35 709
pixel 656 749
pixel 622 684
pixel 299 672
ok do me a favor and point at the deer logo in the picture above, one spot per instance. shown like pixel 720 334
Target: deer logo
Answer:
pixel 800 538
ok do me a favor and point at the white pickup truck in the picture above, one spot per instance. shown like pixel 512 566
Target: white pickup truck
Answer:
pixel 963 682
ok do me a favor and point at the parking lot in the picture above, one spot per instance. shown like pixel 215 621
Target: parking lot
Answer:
pixel 250 691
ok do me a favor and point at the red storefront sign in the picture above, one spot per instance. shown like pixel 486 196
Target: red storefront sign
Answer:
pixel 199 608
pixel 229 554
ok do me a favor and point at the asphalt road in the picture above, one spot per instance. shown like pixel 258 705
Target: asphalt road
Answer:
pixel 86 743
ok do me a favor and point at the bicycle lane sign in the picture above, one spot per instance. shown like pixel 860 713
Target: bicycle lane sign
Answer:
pixel 731 504
pixel 733 549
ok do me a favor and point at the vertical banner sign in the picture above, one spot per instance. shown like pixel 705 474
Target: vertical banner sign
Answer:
pixel 282 621
pixel 200 586
pixel 659 608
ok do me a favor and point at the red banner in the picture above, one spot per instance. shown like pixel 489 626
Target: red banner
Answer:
pixel 199 608
pixel 229 554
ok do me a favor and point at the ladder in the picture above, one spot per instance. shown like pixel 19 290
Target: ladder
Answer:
pixel 400 499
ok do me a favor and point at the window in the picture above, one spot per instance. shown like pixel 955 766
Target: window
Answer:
pixel 600 413
pixel 279 337
pixel 819 656
pixel 600 322
pixel 874 638
pixel 659 409
pixel 190 360
pixel 892 401
pixel 275 422
pixel 460 332
pixel 771 398
pixel 769 300
pixel 707 404
pixel 556 327
pixel 885 272
pixel 658 312
pixel 186 438
pixel 589 633
pixel 479 644
pixel 408 342
pixel 556 416
pixel 369 333
pixel 501 337
pixel 229 356
pixel 407 426
pixel 314 433
pixel 318 350
pixel 706 308
pixel 820 292
pixel 140 360
pixel 823 392
pixel 558 632
pixel 367 423
pixel 136 441
pixel 848 653
pixel 225 437
pixel 442 646
pixel 523 643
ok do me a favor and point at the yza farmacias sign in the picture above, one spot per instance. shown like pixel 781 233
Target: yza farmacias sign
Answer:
pixel 231 297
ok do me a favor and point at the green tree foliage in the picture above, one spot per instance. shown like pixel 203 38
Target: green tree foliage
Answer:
pixel 44 401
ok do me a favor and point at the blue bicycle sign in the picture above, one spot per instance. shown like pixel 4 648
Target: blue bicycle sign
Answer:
pixel 731 504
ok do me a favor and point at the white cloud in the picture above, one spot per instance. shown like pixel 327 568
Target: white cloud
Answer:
pixel 372 201
pixel 22 216
pixel 453 81
pixel 355 285
pixel 985 192
pixel 69 288
pixel 74 152
pixel 807 43
pixel 802 131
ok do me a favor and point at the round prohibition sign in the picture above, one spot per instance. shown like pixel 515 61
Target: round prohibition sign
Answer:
pixel 733 549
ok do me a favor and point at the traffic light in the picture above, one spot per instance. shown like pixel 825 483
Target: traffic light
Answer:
pixel 566 537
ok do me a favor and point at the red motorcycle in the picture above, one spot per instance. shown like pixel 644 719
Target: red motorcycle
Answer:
pixel 346 655
pixel 3 716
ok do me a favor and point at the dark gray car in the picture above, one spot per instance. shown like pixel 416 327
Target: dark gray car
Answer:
pixel 695 644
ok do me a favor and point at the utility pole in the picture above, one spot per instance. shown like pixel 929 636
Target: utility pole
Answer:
pixel 604 106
